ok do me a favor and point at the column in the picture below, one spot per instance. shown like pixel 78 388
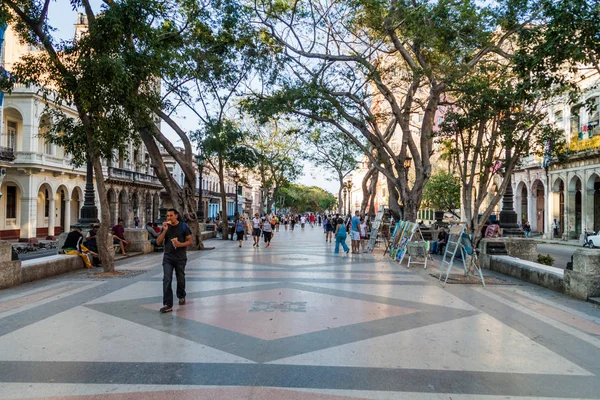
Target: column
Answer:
pixel 548 210
pixel 51 217
pixel 532 208
pixel 28 219
pixel 68 215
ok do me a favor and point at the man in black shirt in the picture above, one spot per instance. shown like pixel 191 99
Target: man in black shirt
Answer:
pixel 73 246
pixel 176 237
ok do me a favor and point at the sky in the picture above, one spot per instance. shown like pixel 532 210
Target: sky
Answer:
pixel 62 18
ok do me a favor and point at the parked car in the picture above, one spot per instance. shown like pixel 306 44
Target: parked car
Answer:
pixel 591 240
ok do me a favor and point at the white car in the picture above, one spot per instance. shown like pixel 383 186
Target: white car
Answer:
pixel 591 240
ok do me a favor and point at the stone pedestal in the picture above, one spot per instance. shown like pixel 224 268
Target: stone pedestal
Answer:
pixel 10 271
pixel 139 241
pixel 525 249
pixel 202 227
pixel 583 281
pixel 488 248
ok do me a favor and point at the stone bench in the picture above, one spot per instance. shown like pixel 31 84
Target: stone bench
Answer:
pixel 44 267
pixel 529 271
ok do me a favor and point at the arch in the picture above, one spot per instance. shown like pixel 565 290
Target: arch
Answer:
pixel 147 208
pixel 61 199
pixel 521 203
pixel 48 186
pixel 538 192
pixel 575 202
pixel 76 204
pixel 135 206
pixel 113 203
pixel 44 126
pixel 558 185
pixel 593 201
pixel 122 211
pixel 575 183
pixel 13 121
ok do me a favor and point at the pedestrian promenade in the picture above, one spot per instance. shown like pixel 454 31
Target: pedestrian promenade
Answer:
pixel 293 322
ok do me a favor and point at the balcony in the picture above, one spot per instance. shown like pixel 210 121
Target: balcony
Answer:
pixel 128 176
pixel 7 154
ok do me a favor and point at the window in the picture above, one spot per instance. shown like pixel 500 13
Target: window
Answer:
pixel 575 119
pixel 11 135
pixel 440 120
pixel 593 126
pixel 11 202
pixel 48 148
pixel 558 117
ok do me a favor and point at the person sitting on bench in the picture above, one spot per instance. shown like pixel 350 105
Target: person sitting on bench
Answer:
pixel 73 246
pixel 438 246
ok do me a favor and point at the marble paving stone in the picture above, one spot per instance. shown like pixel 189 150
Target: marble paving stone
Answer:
pixel 323 312
pixel 14 391
pixel 423 294
pixel 152 289
pixel 476 343
pixel 82 334
pixel 302 275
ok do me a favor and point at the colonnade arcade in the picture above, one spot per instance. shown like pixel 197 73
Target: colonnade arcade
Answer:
pixel 572 199
pixel 128 204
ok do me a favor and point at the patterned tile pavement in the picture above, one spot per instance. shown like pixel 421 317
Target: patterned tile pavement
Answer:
pixel 293 322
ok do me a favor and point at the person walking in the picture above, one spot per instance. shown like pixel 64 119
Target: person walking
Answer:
pixel 267 230
pixel 176 236
pixel 240 230
pixel 340 237
pixel 292 222
pixel 355 232
pixel 329 228
pixel 363 234
pixel 555 228
pixel 527 229
pixel 256 230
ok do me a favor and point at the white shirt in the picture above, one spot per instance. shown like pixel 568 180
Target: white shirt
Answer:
pixel 303 220
pixel 256 223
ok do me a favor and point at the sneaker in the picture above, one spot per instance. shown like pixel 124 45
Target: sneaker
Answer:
pixel 182 301
pixel 166 309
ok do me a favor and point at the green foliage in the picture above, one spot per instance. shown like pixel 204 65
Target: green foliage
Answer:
pixel 442 192
pixel 299 198
pixel 545 259
pixel 224 141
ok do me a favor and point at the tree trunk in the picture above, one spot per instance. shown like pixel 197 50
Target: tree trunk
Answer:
pixel 105 239
pixel 373 194
pixel 224 220
pixel 340 191
pixel 393 203
pixel 183 199
pixel 365 190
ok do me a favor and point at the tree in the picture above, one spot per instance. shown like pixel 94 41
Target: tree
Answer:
pixel 331 150
pixel 87 74
pixel 300 199
pixel 276 151
pixel 442 192
pixel 497 117
pixel 370 67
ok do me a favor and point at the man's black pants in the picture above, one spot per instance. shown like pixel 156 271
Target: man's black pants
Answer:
pixel 168 267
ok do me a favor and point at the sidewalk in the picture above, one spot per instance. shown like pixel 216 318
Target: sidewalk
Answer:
pixel 294 321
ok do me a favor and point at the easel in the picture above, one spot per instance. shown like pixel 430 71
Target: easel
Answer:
pixel 375 233
pixel 455 244
pixel 403 234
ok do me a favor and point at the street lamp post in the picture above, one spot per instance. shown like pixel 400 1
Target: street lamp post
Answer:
pixel 349 184
pixel 200 162
pixel 89 211
pixel 508 216
pixel 236 179
pixel 345 203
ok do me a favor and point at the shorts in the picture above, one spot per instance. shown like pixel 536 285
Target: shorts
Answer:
pixel 116 241
pixel 329 228
pixel 268 236
pixel 354 235
pixel 240 235
pixel 363 237
pixel 256 232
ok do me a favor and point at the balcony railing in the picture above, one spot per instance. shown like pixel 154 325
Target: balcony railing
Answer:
pixel 7 154
pixel 128 175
